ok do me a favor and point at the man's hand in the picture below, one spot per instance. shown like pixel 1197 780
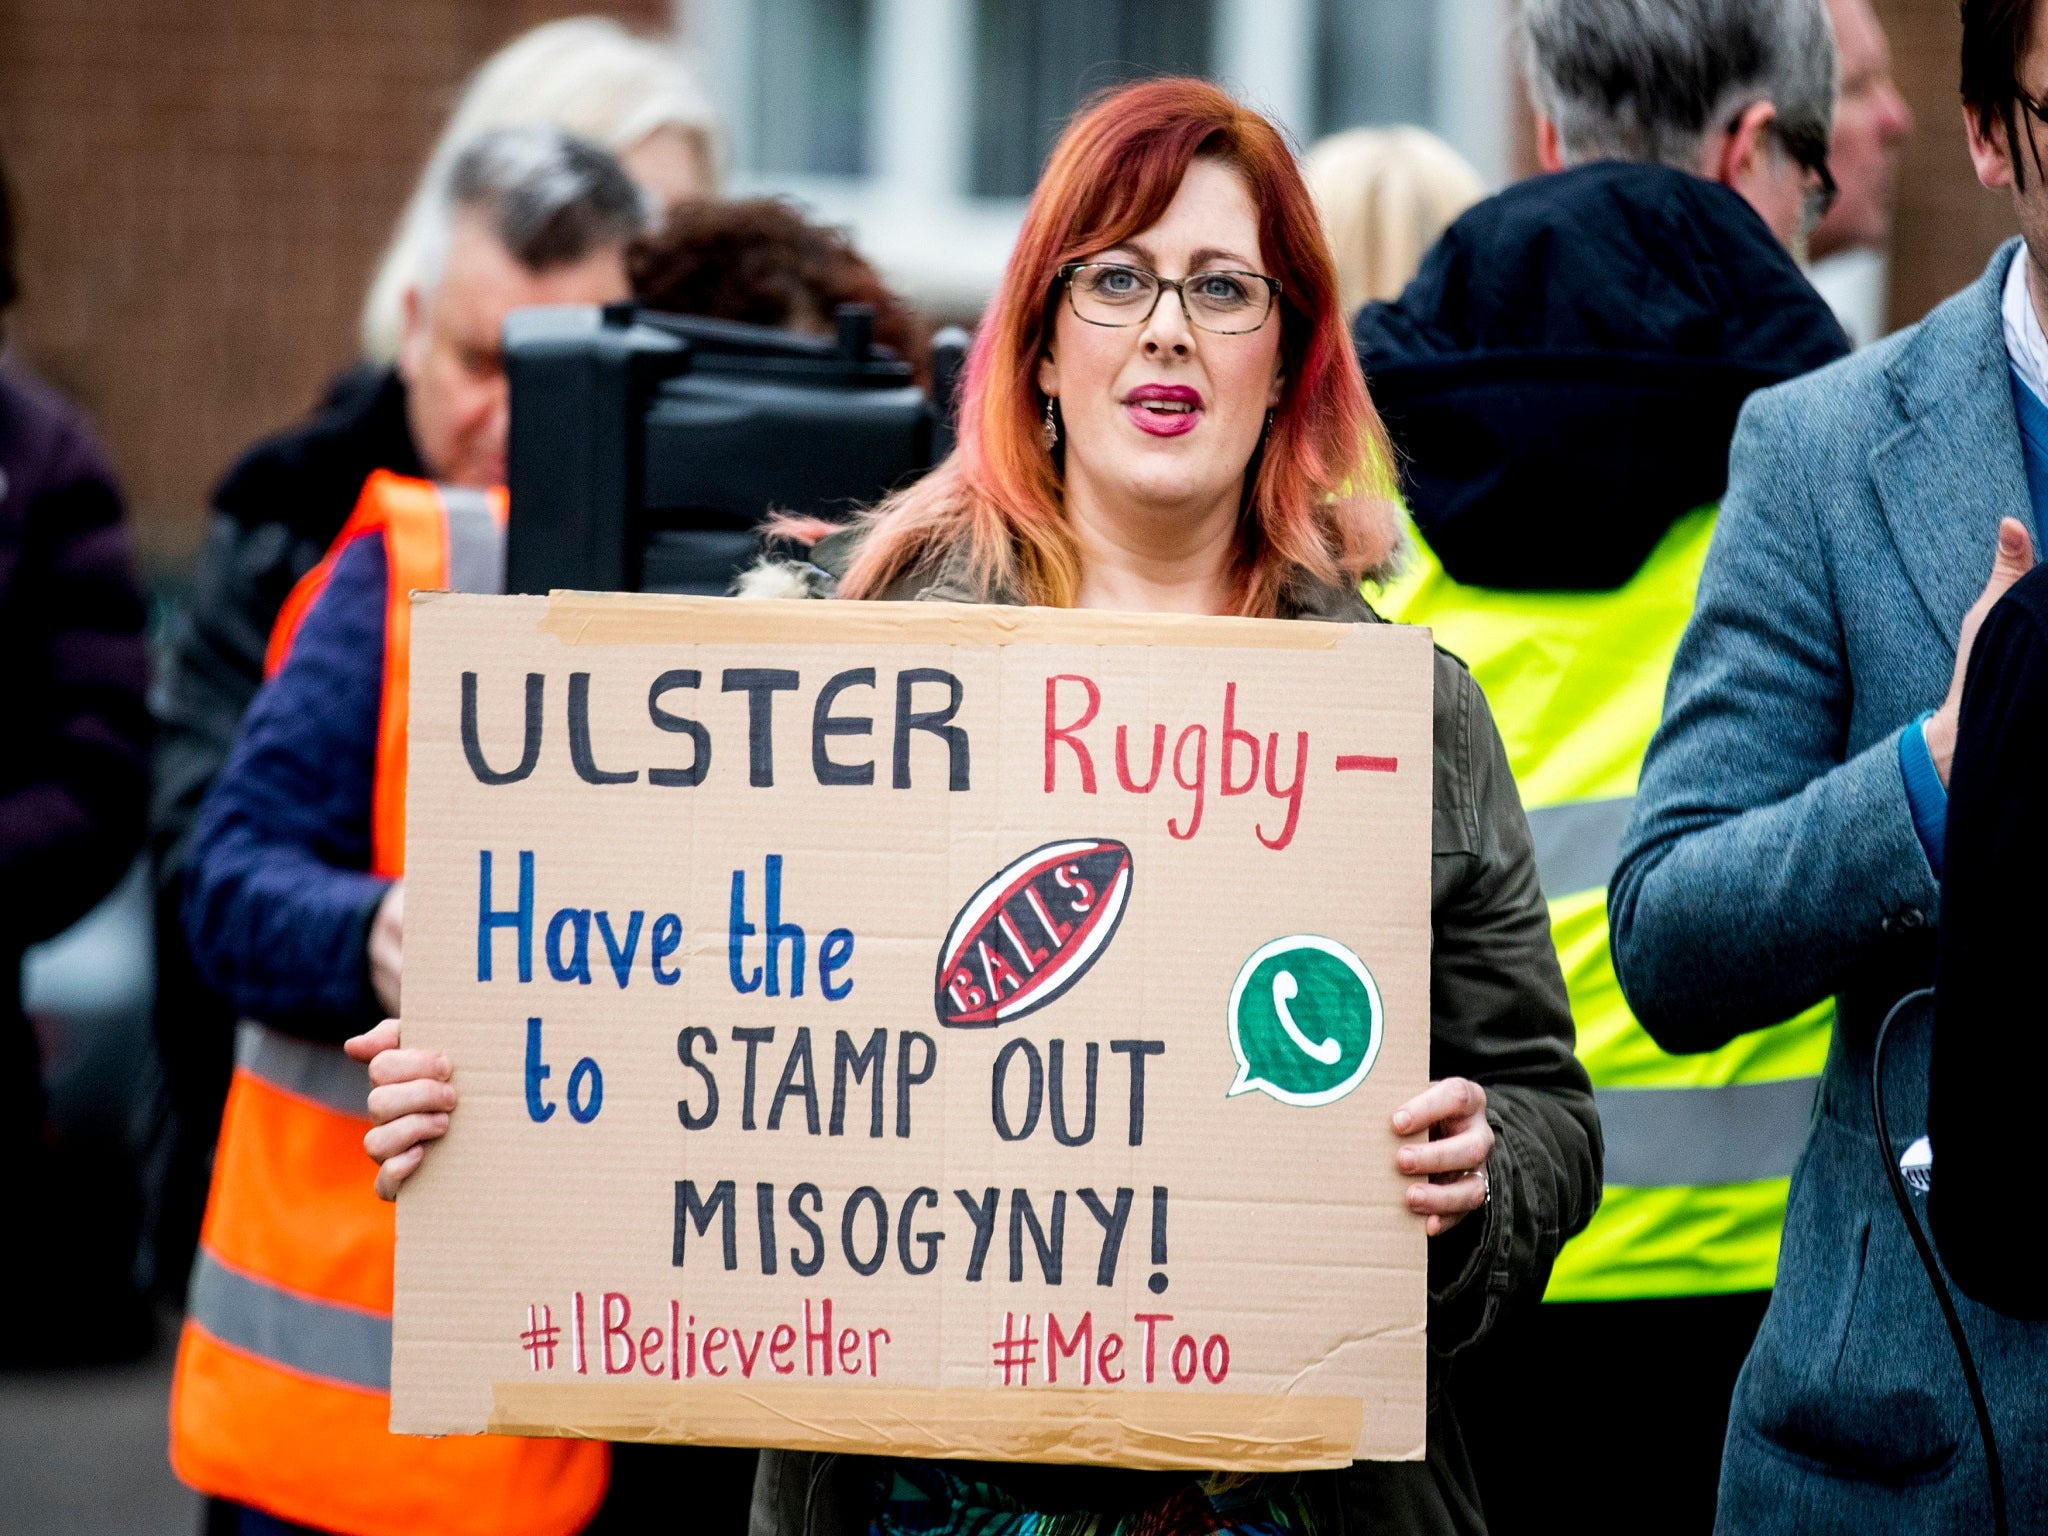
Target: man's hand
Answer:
pixel 387 947
pixel 2015 558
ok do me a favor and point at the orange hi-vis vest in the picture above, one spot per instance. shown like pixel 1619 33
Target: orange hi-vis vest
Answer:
pixel 282 1396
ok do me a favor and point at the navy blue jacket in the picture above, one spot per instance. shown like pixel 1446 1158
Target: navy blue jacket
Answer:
pixel 1562 377
pixel 279 899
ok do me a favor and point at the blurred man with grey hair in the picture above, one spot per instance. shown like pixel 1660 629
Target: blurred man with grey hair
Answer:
pixel 1562 381
pixel 528 216
pixel 1741 92
pixel 279 1408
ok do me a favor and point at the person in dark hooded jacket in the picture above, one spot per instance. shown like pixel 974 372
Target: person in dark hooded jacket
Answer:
pixel 1561 382
pixel 74 775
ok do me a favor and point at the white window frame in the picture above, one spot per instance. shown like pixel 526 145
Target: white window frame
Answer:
pixel 944 249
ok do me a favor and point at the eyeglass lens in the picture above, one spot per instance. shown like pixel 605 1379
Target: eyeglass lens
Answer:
pixel 1226 302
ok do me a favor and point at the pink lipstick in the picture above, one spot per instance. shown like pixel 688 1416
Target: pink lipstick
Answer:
pixel 1164 410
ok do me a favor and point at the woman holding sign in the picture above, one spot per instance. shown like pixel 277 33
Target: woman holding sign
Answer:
pixel 1163 413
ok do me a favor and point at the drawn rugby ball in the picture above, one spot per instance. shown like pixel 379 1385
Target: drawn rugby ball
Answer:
pixel 1032 931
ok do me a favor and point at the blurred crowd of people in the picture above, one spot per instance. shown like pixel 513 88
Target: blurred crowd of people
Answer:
pixel 1714 573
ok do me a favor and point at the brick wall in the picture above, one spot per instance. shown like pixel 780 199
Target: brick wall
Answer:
pixel 1947 224
pixel 202 188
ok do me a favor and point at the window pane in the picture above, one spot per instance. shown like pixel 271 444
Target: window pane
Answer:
pixel 1375 62
pixel 1035 60
pixel 811 87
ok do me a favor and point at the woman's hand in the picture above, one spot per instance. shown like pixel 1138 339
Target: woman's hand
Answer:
pixel 410 1097
pixel 1454 1157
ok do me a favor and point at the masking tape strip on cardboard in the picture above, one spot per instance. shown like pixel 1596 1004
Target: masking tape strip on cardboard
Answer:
pixel 582 618
pixel 1163 1431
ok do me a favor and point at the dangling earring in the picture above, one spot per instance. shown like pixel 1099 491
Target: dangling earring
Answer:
pixel 1051 431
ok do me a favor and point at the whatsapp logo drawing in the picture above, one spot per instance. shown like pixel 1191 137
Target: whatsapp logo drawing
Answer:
pixel 1305 1021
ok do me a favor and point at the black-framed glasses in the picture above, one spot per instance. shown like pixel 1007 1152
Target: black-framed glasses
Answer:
pixel 1221 301
pixel 1809 151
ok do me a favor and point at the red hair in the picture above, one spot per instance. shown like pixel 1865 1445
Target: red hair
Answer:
pixel 1319 507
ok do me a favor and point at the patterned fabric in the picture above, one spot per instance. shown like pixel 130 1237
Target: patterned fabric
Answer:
pixel 924 1499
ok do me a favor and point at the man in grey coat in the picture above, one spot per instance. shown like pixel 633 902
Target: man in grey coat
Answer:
pixel 1787 842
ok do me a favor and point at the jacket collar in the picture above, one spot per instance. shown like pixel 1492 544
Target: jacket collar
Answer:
pixel 1947 476
pixel 948 580
pixel 1332 603
pixel 308 476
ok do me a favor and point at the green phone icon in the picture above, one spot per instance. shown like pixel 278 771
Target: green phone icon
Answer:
pixel 1305 1021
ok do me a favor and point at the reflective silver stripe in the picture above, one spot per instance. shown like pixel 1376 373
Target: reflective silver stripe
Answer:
pixel 1577 844
pixel 317 1338
pixel 322 1073
pixel 476 544
pixel 1658 1138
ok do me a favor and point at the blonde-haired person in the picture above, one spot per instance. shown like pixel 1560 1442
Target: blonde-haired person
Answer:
pixel 635 96
pixel 1385 194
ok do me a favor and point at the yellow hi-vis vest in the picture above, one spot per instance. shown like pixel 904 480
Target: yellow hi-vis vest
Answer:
pixel 1699 1148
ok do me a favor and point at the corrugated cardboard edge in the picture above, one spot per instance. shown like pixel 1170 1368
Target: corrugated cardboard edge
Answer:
pixel 618 618
pixel 1154 1430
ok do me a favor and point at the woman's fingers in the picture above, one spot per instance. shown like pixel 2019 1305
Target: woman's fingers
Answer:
pixel 1444 1205
pixel 415 1096
pixel 1452 1163
pixel 396 1170
pixel 399 1066
pixel 1458 1197
pixel 1452 1098
pixel 387 1143
pixel 410 1097
pixel 1467 1150
pixel 366 1045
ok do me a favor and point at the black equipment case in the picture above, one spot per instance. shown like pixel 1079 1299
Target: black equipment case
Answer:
pixel 646 449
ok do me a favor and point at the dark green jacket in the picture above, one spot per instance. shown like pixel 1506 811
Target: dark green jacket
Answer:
pixel 1497 1016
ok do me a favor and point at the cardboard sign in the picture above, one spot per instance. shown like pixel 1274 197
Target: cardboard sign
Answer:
pixel 919 1029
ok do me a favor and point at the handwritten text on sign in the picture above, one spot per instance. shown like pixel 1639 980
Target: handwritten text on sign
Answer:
pixel 884 1027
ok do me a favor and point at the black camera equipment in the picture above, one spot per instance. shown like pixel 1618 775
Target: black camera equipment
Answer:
pixel 646 449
